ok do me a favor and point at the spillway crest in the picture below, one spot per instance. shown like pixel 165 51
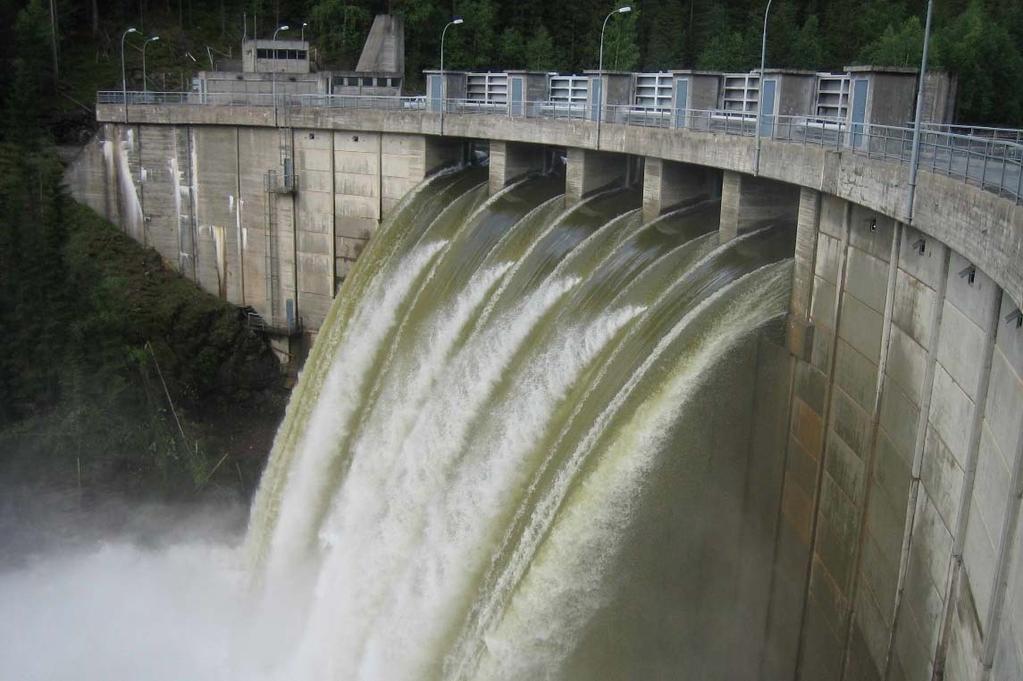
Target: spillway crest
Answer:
pixel 518 447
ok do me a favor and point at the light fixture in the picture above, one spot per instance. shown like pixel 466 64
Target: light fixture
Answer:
pixel 970 274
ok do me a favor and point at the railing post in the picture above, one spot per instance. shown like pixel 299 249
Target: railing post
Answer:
pixel 1019 182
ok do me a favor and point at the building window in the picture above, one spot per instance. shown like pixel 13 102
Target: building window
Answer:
pixel 262 53
pixel 367 82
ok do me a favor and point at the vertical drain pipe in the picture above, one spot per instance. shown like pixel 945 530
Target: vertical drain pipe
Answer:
pixel 914 161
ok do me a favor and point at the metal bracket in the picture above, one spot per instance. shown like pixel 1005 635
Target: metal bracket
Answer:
pixel 970 274
pixel 1015 316
pixel 920 246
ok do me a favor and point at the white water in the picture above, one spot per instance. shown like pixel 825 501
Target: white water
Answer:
pixel 454 496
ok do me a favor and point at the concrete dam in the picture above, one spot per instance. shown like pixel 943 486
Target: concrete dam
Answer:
pixel 662 391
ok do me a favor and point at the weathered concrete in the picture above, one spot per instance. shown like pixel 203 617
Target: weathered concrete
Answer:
pixel 510 161
pixel 900 495
pixel 982 226
pixel 591 171
pixel 199 196
pixel 749 202
pixel 668 185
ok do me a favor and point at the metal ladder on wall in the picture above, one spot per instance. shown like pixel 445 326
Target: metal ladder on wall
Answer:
pixel 277 182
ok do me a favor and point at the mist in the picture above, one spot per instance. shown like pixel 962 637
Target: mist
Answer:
pixel 122 591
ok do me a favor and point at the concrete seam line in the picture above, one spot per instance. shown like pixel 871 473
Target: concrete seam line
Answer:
pixel 1004 559
pixel 793 367
pixel 966 498
pixel 918 454
pixel 875 424
pixel 839 296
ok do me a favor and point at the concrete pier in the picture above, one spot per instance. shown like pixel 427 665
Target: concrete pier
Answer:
pixel 748 202
pixel 668 184
pixel 510 161
pixel 591 171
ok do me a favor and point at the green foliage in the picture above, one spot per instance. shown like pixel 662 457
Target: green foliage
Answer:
pixel 986 55
pixel 981 41
pixel 667 36
pixel 540 51
pixel 512 48
pixel 897 47
pixel 340 28
pixel 621 44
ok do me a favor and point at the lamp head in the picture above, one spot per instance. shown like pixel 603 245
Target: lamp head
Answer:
pixel 153 39
pixel 624 10
pixel 456 20
pixel 285 27
pixel 131 30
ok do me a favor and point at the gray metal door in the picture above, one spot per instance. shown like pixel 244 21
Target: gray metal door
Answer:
pixel 859 111
pixel 516 96
pixel 681 101
pixel 767 107
pixel 596 90
pixel 436 92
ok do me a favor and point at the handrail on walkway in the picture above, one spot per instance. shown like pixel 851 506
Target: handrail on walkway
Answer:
pixel 990 158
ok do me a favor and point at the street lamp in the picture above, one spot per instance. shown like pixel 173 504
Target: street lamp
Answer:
pixel 454 22
pixel 304 24
pixel 124 77
pixel 760 88
pixel 273 70
pixel 600 61
pixel 144 45
pixel 914 162
pixel 600 65
pixel 443 80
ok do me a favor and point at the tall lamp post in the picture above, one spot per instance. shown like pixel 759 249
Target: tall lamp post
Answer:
pixel 443 80
pixel 273 70
pixel 304 24
pixel 760 89
pixel 914 161
pixel 124 76
pixel 600 65
pixel 144 45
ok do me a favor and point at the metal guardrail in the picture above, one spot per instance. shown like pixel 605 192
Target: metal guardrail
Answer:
pixel 990 158
pixel 1014 135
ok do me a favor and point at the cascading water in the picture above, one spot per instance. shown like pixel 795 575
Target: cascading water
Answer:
pixel 517 448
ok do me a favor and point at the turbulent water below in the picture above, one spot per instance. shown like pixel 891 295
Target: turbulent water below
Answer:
pixel 518 450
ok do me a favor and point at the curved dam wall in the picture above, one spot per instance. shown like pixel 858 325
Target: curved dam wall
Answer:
pixel 882 514
pixel 898 552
